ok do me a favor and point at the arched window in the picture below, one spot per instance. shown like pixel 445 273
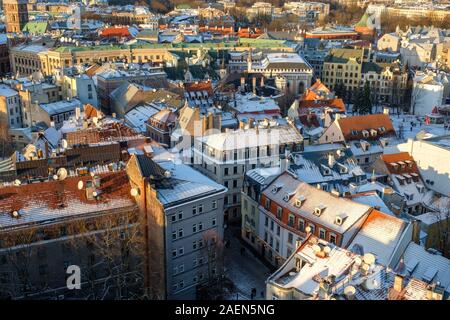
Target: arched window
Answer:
pixel 301 87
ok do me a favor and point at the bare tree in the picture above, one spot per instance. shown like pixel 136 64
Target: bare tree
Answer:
pixel 213 250
pixel 110 252
pixel 442 217
pixel 18 252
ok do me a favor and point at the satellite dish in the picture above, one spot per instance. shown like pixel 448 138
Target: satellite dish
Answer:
pixel 327 250
pixel 61 174
pixel 95 193
pixel 64 143
pixel 316 248
pixel 15 214
pixel 17 182
pixel 134 192
pixel 55 177
pixel 350 292
pixel 371 284
pixel 358 261
pixel 80 185
pixel 92 174
pixel 167 174
pixel 369 259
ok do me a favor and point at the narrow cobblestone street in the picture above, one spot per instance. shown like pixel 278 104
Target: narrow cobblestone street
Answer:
pixel 246 271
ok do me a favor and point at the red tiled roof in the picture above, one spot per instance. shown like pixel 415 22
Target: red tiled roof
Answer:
pixel 309 120
pixel 51 195
pixel 199 86
pixel 114 131
pixel 337 103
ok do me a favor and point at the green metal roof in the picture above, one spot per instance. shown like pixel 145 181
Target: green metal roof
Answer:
pixel 339 55
pixel 244 42
pixel 36 27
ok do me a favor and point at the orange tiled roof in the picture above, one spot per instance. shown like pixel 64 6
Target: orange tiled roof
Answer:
pixel 313 92
pixel 389 159
pixel 365 122
pixel 217 29
pixel 318 85
pixel 115 32
pixel 378 215
pixel 90 111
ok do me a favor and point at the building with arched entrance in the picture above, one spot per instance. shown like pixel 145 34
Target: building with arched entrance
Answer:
pixel 295 72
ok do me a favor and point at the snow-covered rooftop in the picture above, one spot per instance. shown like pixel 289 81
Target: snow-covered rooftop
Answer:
pixel 250 138
pixel 60 106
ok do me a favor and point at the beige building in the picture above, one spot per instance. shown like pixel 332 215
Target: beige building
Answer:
pixel 344 66
pixel 389 42
pixel 25 59
pixel 16 13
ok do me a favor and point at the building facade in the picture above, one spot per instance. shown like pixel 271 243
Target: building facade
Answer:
pixel 16 13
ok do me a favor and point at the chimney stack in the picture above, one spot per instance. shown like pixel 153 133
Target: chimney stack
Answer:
pixel 331 160
pixel 398 283
pixel 254 85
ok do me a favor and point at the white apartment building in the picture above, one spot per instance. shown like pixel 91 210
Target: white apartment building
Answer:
pixel 260 9
pixel 301 8
pixel 430 89
pixel 226 157
pixel 81 87
pixel 431 156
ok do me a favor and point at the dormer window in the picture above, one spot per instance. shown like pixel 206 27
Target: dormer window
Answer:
pixel 354 132
pixel 401 180
pixel 325 170
pixel 339 219
pixel 384 142
pixel 373 132
pixel 343 169
pixel 420 188
pixel 409 196
pixel 276 188
pixel 365 133
pixel 319 209
pixel 382 129
pixel 299 201
pixel 287 196
pixel 408 178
